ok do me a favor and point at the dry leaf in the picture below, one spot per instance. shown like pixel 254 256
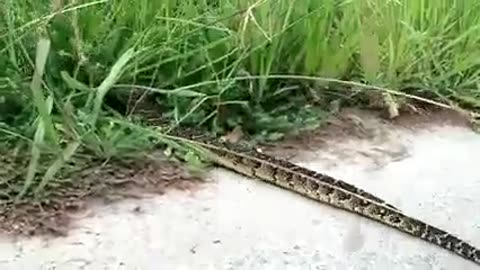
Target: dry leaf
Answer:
pixel 233 136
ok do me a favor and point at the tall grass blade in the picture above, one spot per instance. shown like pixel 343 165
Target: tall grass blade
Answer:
pixel 110 80
pixel 45 125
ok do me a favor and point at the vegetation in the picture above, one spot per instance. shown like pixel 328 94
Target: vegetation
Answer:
pixel 68 69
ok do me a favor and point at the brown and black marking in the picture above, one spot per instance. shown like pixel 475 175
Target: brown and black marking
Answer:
pixel 322 178
pixel 354 203
pixel 290 166
pixel 302 170
pixel 334 195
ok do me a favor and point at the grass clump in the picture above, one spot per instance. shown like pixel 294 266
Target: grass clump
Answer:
pixel 71 70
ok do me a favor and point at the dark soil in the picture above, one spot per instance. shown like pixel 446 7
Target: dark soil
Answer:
pixel 360 124
pixel 136 178
pixel 97 182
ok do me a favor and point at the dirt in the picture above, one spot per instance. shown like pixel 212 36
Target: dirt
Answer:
pixel 97 183
pixel 361 124
pixel 137 179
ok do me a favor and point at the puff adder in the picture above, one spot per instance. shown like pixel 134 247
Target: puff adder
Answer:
pixel 330 191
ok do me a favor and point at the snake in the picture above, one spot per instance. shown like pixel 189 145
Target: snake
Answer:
pixel 324 189
pixel 310 184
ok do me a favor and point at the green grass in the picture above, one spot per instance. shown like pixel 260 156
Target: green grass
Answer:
pixel 269 66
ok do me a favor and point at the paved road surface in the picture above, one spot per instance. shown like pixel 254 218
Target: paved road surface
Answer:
pixel 234 223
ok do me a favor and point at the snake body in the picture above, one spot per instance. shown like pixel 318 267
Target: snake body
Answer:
pixel 330 191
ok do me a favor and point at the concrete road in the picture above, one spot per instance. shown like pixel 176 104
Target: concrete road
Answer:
pixel 237 223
